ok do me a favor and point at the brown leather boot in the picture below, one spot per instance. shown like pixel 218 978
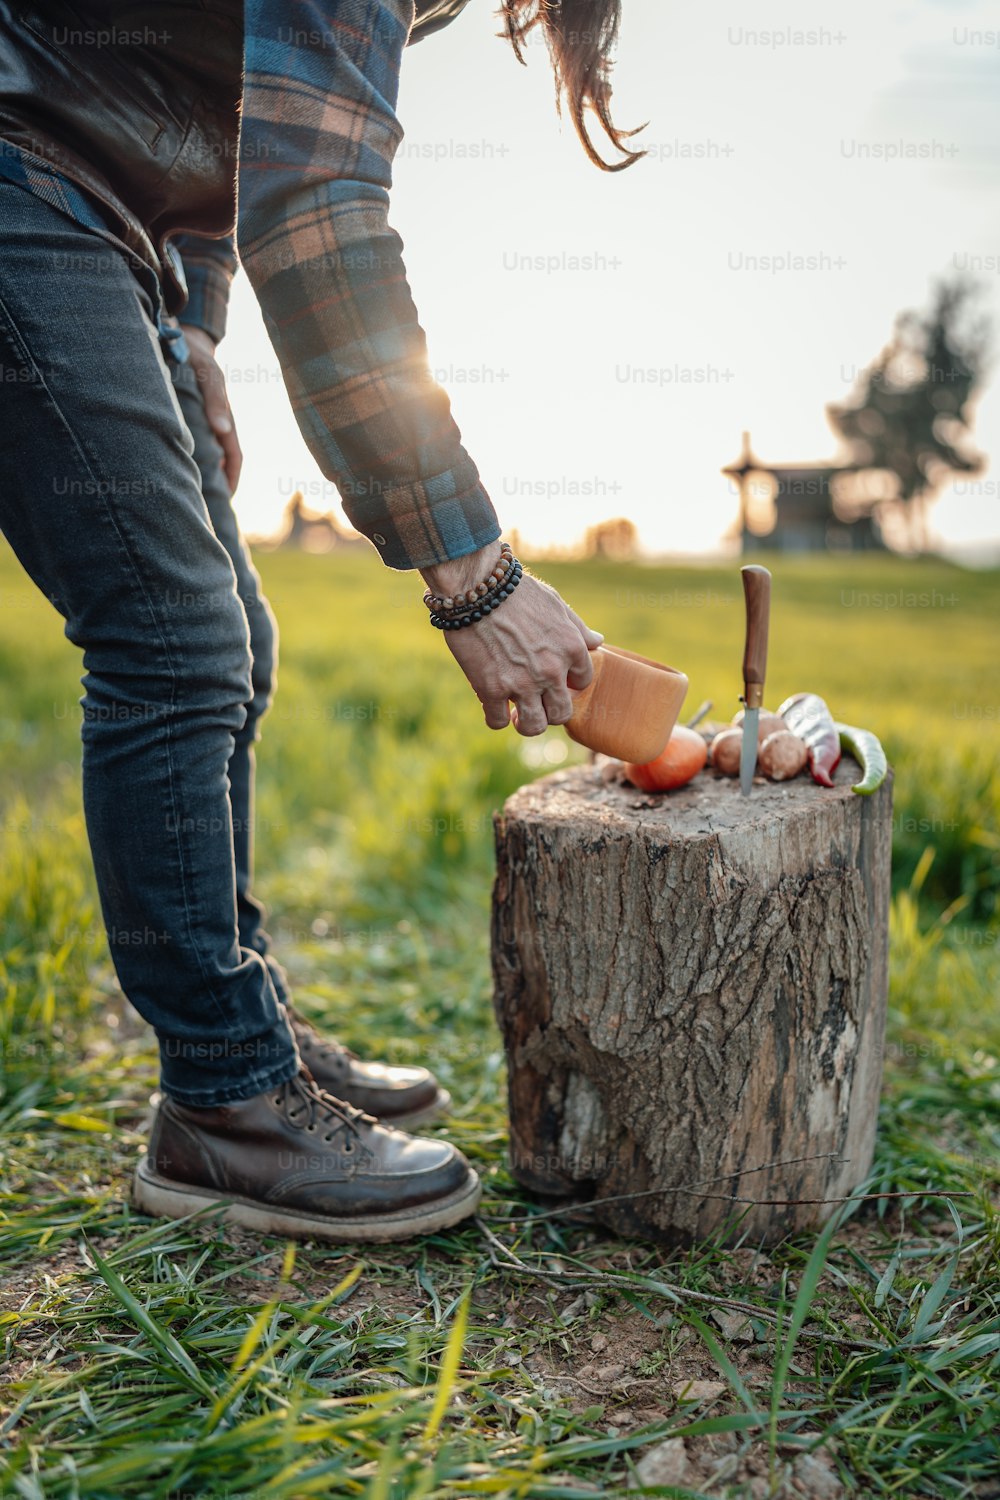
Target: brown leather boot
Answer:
pixel 399 1096
pixel 296 1161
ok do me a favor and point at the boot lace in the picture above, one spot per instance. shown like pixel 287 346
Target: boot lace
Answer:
pixel 309 1040
pixel 306 1106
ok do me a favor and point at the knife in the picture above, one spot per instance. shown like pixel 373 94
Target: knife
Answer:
pixel 757 594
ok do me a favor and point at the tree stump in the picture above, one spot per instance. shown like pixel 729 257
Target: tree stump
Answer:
pixel 691 989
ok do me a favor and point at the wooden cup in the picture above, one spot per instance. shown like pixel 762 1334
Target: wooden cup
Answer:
pixel 630 707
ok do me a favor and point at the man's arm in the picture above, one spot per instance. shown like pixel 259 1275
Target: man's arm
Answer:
pixel 318 136
pixel 317 141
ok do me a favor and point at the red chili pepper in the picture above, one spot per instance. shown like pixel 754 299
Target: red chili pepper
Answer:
pixel 808 716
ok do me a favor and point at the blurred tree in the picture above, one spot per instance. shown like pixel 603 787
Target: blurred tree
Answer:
pixel 910 414
pixel 617 539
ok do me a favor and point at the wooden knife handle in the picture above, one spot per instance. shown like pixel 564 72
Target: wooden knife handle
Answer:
pixel 757 594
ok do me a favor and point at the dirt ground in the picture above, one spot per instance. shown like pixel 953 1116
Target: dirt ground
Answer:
pixel 579 1351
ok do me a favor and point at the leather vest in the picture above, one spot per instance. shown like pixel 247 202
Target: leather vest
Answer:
pixel 138 103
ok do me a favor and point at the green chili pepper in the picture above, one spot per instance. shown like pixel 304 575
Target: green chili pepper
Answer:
pixel 867 751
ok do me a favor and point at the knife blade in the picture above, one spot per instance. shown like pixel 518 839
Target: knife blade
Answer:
pixel 757 597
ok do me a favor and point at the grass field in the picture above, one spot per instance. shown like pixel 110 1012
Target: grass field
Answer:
pixel 525 1356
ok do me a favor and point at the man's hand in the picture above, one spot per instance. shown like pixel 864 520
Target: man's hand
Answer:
pixel 212 384
pixel 530 650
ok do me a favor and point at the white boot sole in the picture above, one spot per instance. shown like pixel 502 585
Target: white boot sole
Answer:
pixel 160 1197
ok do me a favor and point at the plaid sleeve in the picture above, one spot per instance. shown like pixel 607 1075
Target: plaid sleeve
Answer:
pixel 318 137
pixel 209 267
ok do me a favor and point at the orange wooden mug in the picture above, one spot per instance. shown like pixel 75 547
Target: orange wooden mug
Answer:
pixel 630 707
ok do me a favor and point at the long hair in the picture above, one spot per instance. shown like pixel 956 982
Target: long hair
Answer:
pixel 580 36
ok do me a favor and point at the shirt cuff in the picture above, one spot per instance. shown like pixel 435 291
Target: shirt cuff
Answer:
pixel 209 267
pixel 425 522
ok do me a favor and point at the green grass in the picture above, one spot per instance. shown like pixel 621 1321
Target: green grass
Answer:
pixel 157 1360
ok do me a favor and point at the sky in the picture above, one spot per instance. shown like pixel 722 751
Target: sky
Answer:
pixel 605 338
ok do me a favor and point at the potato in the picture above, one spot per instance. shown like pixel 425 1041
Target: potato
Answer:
pixel 782 755
pixel 725 751
pixel 709 728
pixel 768 723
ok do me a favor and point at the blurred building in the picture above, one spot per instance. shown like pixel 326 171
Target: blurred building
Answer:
pixel 312 531
pixel 803 507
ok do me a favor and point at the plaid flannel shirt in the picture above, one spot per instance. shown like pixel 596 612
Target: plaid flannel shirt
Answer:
pixel 318 137
pixel 319 133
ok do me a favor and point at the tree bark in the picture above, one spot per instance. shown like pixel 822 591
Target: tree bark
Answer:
pixel 691 989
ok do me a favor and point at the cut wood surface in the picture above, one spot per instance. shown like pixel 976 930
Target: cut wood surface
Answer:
pixel 691 989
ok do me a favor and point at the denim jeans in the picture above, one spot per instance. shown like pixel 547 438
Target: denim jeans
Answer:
pixel 113 497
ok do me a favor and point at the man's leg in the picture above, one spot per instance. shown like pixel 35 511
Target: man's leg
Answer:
pixel 264 654
pixel 101 500
pixel 407 1096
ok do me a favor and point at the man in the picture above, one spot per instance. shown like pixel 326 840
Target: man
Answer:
pixel 119 142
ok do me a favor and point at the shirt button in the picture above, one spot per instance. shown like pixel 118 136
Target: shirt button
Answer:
pixel 378 538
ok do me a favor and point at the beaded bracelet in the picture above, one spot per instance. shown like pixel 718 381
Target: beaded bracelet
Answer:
pixel 462 603
pixel 438 602
pixel 470 614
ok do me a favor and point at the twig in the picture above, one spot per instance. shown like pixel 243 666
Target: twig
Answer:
pixel 705 708
pixel 692 1190
pixel 851 1198
pixel 686 1187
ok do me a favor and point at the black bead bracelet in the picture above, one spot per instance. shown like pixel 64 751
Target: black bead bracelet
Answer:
pixel 472 613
